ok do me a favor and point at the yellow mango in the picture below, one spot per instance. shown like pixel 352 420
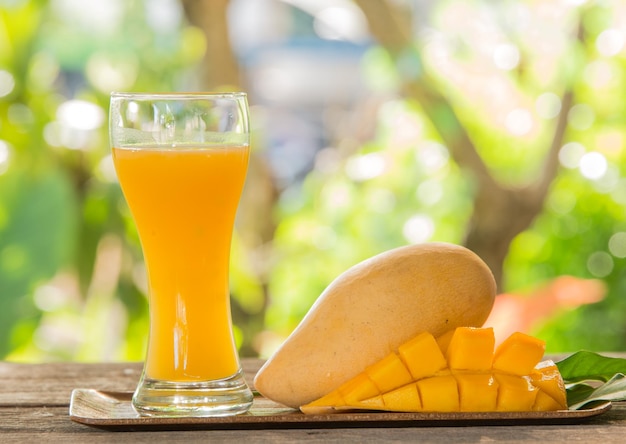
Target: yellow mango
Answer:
pixel 358 388
pixel 443 341
pixel 545 403
pixel 370 310
pixel 439 394
pixel 478 392
pixel 518 354
pixel 471 349
pixel 403 399
pixel 325 404
pixel 546 377
pixel 435 386
pixel 375 403
pixel 422 356
pixel 388 373
pixel 515 393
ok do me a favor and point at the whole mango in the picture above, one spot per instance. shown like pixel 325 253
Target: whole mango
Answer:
pixel 370 310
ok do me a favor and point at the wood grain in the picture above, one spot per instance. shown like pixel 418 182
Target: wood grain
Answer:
pixel 34 407
pixel 52 384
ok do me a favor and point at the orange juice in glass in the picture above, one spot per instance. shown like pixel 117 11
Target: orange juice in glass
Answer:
pixel 181 160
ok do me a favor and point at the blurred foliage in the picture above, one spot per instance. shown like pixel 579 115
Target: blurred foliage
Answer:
pixel 402 187
pixel 60 207
pixel 335 219
pixel 71 275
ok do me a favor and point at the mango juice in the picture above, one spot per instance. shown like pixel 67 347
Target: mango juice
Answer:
pixel 184 201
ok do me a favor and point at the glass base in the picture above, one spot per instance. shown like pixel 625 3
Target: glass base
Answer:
pixel 222 397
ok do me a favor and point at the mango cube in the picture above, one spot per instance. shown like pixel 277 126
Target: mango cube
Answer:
pixel 471 349
pixel 547 378
pixel 404 399
pixel 358 388
pixel 388 373
pixel 518 354
pixel 545 402
pixel 515 393
pixel 422 356
pixel 478 392
pixel 439 394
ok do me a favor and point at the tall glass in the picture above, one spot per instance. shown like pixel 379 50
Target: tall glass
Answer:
pixel 181 160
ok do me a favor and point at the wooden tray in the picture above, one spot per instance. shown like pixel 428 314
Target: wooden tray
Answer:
pixel 113 411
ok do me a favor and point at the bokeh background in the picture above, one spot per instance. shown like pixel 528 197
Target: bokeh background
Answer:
pixel 497 125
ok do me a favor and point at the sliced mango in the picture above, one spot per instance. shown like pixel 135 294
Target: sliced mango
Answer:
pixel 358 388
pixel 545 402
pixel 515 393
pixel 478 392
pixel 547 378
pixel 389 373
pixel 471 349
pixel 518 354
pixel 375 403
pixel 324 405
pixel 422 356
pixel 405 398
pixel 439 394
pixel 472 379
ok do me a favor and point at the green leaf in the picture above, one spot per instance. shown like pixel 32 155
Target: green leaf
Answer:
pixel 578 392
pixel 589 366
pixel 613 390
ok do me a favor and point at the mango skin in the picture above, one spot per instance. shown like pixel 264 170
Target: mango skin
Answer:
pixel 373 308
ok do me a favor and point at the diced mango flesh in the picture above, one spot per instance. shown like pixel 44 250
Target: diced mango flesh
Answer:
pixel 515 394
pixel 375 403
pixel 419 378
pixel 471 349
pixel 422 356
pixel 407 395
pixel 389 373
pixel 478 392
pixel 545 402
pixel 325 404
pixel 358 388
pixel 439 394
pixel 518 354
pixel 547 378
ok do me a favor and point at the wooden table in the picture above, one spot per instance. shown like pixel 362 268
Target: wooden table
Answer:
pixel 34 406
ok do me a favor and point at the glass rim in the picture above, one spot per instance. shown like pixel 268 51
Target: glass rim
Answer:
pixel 178 95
